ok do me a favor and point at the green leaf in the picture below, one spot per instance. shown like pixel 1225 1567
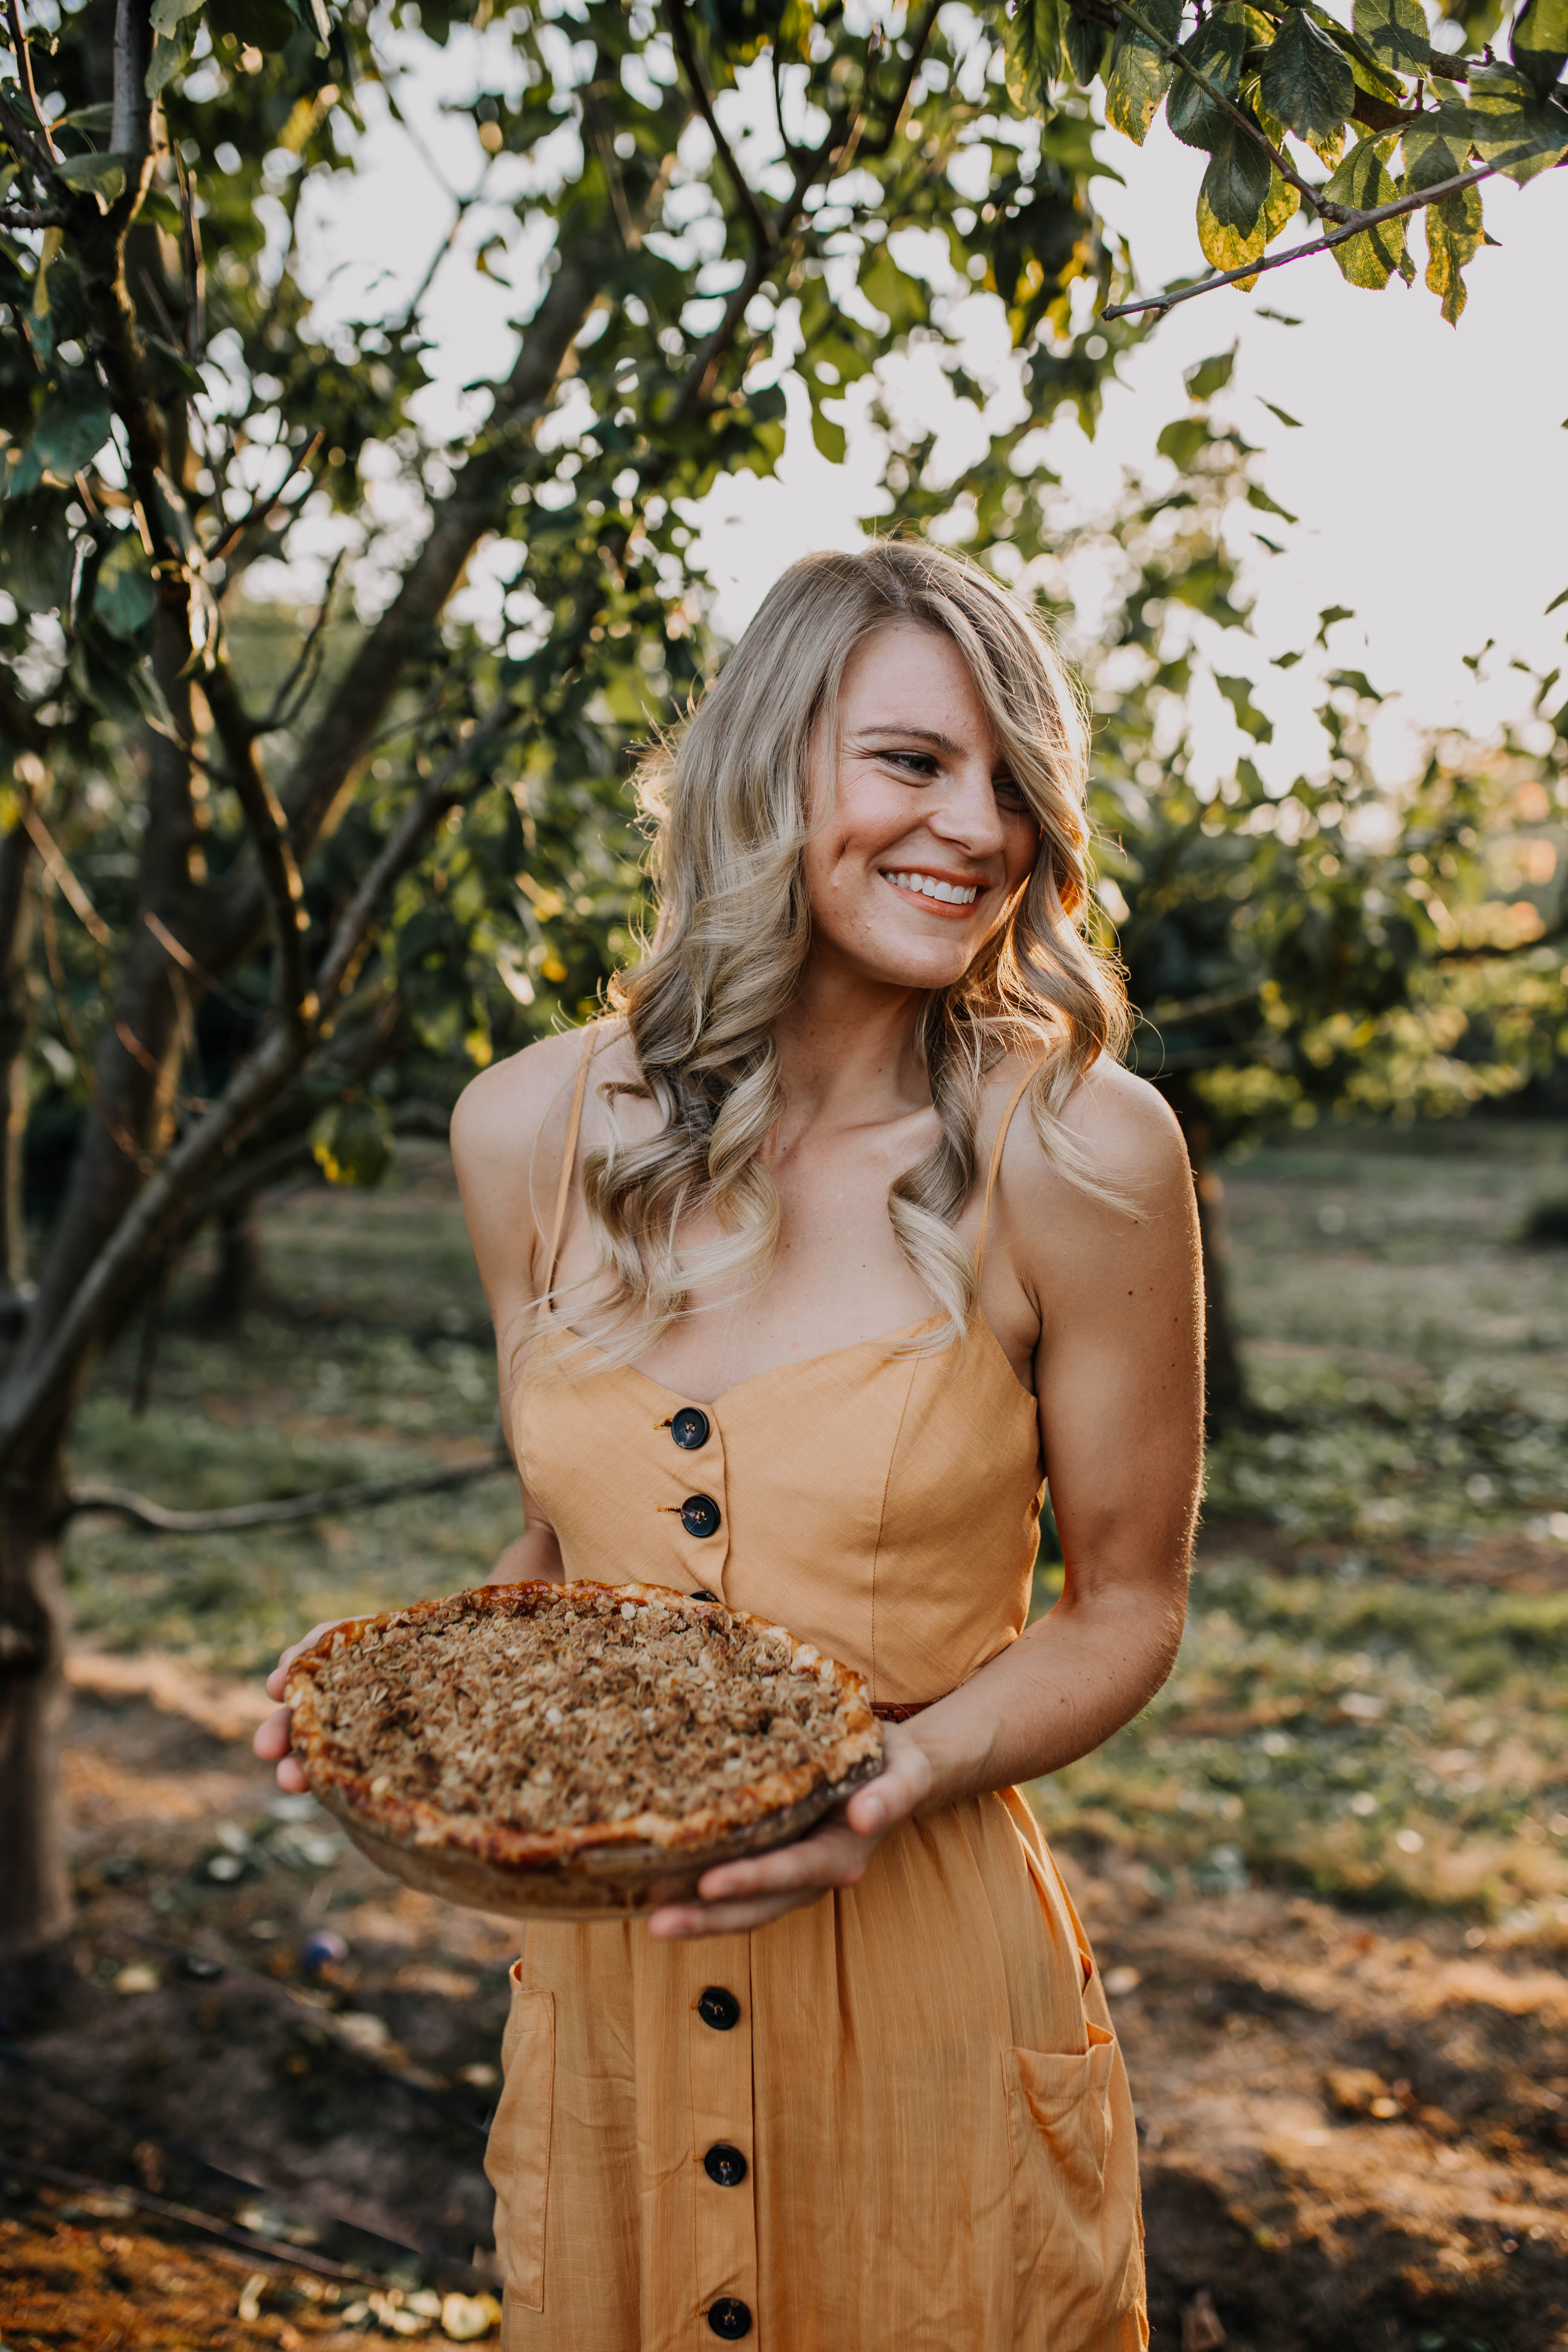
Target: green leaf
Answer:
pixel 1257 496
pixel 1370 258
pixel 102 176
pixel 312 15
pixel 1453 238
pixel 1511 127
pixel 1242 203
pixel 1181 439
pixel 123 596
pixel 168 15
pixel 1395 32
pixel 1561 598
pixel 352 1142
pixel 1140 71
pixel 1217 49
pixel 1305 81
pixel 1237 692
pixel 1437 148
pixel 171 53
pixel 1084 46
pixel 1284 415
pixel 68 434
pixel 829 437
pixel 1033 40
pixel 1211 375
pixel 1538 43
pixel 35 551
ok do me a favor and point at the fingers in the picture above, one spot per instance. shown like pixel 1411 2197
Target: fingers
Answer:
pixel 270 1742
pixel 271 1739
pixel 686 1922
pixel 833 1856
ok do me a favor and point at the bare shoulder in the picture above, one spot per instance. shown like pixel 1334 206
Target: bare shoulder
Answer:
pixel 1130 1158
pixel 512 1110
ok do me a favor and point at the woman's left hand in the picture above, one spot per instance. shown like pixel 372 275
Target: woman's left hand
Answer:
pixel 739 1895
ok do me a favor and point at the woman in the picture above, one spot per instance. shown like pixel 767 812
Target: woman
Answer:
pixel 809 1314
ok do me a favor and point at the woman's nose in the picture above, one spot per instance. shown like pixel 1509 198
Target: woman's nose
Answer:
pixel 967 813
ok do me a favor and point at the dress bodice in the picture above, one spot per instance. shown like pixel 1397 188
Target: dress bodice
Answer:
pixel 882 1502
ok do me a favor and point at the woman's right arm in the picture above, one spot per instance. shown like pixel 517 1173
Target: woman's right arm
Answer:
pixel 508 1134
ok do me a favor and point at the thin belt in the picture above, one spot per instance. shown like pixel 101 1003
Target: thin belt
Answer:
pixel 892 1711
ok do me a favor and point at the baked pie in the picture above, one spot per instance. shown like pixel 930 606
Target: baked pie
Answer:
pixel 573 1748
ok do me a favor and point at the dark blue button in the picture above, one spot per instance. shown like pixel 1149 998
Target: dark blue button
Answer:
pixel 699 1514
pixel 690 1428
pixel 718 2008
pixel 730 2317
pixel 700 1595
pixel 724 2165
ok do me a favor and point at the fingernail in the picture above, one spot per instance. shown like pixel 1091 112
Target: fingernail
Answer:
pixel 877 1809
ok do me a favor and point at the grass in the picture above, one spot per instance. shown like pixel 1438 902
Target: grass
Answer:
pixel 1372 1697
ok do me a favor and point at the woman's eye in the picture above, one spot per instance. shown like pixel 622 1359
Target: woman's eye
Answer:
pixel 913 763
pixel 1012 797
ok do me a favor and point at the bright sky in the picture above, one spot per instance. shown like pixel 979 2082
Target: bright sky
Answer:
pixel 1429 474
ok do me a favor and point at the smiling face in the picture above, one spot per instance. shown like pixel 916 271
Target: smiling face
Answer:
pixel 921 836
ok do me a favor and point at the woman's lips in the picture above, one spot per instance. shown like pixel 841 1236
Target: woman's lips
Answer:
pixel 957 908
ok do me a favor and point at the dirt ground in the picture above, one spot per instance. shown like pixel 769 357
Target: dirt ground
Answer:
pixel 1354 2128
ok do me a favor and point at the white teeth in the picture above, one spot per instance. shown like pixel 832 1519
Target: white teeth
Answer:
pixel 951 894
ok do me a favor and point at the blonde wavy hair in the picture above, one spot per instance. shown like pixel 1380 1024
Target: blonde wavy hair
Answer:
pixel 726 799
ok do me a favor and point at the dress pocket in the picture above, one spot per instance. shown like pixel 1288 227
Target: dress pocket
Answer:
pixel 1075 2228
pixel 518 2156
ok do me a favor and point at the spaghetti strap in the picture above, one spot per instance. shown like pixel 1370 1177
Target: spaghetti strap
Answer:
pixel 573 1125
pixel 1006 1121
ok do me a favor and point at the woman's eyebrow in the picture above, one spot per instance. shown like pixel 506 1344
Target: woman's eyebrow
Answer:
pixel 912 735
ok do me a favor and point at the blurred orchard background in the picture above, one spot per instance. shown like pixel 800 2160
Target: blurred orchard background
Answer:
pixel 402 410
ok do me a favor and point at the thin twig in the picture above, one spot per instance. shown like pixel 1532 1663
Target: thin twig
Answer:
pixel 24 72
pixel 1320 205
pixel 680 34
pixel 58 869
pixel 281 713
pixel 364 1496
pixel 268 829
pixel 287 2257
pixel 880 146
pixel 1353 227
pixel 15 217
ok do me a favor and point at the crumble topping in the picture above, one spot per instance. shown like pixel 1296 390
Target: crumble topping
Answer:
pixel 575 1710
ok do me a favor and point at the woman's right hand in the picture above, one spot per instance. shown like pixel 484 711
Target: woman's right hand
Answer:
pixel 273 1740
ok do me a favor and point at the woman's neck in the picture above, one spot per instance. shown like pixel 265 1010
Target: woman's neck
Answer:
pixel 847 1049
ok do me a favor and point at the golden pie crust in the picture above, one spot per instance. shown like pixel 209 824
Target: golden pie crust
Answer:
pixel 592 1868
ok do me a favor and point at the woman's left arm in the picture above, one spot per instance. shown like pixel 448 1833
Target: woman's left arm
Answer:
pixel 1118 1376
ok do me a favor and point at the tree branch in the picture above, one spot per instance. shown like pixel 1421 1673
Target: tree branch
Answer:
pixel 130 126
pixel 674 16
pixel 1354 227
pixel 61 1343
pixel 275 859
pixel 880 146
pixel 143 1513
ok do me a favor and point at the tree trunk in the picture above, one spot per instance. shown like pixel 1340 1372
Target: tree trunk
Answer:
pixel 35 1893
pixel 1224 1383
pixel 236 1285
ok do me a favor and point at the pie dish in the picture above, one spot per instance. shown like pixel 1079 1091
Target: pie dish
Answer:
pixel 580 1750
